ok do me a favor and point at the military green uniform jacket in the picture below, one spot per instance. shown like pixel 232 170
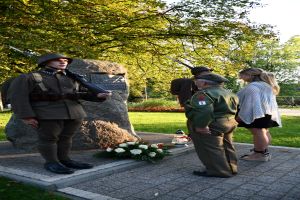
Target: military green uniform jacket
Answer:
pixel 25 87
pixel 209 104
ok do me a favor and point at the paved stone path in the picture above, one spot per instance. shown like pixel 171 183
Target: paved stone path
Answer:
pixel 290 112
pixel 170 178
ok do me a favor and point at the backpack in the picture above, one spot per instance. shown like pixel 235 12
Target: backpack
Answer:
pixel 5 86
pixel 182 87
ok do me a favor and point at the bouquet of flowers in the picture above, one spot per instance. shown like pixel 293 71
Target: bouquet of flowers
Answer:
pixel 136 150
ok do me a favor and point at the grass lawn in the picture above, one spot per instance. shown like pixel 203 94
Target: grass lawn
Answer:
pixel 4 117
pixel 288 135
pixel 169 122
pixel 12 190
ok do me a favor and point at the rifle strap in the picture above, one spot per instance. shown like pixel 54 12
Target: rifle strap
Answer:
pixel 39 80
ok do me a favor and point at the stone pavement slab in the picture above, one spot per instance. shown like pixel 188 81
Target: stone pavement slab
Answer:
pixel 170 178
pixel 28 167
pixel 289 112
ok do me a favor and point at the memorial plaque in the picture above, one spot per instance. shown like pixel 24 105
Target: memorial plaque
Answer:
pixel 109 81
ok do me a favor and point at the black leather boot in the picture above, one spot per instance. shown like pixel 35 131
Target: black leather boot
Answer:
pixel 57 168
pixel 204 173
pixel 76 165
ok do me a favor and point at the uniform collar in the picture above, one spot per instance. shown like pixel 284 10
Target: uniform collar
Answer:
pixel 53 71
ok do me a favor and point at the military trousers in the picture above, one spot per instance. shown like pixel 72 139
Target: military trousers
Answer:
pixel 216 150
pixel 55 138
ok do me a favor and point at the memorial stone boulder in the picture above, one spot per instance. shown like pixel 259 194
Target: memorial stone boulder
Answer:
pixel 109 76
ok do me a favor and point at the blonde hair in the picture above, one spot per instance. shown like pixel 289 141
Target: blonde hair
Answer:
pixel 258 74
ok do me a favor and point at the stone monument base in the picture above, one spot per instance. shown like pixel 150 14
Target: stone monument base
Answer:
pixel 96 134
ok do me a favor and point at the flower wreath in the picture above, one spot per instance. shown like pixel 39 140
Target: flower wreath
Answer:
pixel 137 151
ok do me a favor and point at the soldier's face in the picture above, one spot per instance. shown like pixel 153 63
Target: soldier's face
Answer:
pixel 60 63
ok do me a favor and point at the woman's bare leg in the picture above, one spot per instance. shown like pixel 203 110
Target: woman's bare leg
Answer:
pixel 261 140
pixel 269 136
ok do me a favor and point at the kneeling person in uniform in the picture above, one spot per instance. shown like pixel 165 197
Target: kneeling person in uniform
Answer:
pixel 48 101
pixel 211 113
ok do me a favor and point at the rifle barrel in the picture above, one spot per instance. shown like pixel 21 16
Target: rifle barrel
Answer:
pixel 27 53
pixel 180 62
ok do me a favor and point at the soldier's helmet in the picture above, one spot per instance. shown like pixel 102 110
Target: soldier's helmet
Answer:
pixel 212 77
pixel 43 59
pixel 200 69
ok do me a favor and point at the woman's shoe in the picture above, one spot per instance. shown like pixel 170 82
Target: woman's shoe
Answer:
pixel 264 157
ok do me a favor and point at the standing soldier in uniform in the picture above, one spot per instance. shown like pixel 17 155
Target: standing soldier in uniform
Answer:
pixel 48 101
pixel 211 113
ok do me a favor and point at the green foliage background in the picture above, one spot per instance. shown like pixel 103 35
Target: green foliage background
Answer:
pixel 138 34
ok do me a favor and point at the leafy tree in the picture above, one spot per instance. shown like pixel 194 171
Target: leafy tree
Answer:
pixel 283 59
pixel 137 34
pixel 291 58
pixel 290 89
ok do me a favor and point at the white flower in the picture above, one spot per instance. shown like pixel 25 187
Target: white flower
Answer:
pixel 135 151
pixel 154 146
pixel 152 154
pixel 109 149
pixel 159 150
pixel 119 150
pixel 142 146
pixel 123 145
pixel 130 143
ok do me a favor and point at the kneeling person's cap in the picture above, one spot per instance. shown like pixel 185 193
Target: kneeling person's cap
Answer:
pixel 212 77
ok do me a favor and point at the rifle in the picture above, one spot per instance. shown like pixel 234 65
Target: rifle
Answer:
pixel 91 87
pixel 180 62
pixel 27 53
pixel 194 70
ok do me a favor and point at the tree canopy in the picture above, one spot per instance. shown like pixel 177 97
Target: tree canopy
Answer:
pixel 138 34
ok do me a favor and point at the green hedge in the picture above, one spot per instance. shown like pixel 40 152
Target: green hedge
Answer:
pixel 288 100
pixel 163 105
pixel 155 105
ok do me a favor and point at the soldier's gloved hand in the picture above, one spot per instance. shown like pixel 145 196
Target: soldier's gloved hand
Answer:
pixel 103 95
pixel 203 130
pixel 31 121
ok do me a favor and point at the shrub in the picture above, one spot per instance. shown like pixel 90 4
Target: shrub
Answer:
pixel 288 100
pixel 155 105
